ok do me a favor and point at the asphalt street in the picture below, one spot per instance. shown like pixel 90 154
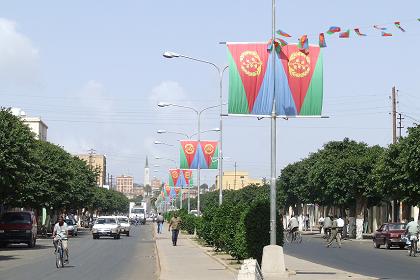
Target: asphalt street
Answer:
pixel 358 257
pixel 132 257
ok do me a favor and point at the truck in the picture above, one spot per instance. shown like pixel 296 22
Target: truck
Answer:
pixel 137 211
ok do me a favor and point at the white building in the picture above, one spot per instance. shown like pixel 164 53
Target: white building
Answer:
pixel 36 125
pixel 146 173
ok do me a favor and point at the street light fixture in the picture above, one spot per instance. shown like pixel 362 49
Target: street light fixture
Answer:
pixel 220 72
pixel 162 143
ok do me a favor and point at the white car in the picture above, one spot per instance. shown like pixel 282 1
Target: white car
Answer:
pixel 124 224
pixel 106 226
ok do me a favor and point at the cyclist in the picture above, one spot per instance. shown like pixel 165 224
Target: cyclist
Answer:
pixel 293 226
pixel 412 230
pixel 61 231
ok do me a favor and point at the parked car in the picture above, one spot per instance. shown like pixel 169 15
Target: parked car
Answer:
pixel 389 234
pixel 71 227
pixel 106 226
pixel 124 225
pixel 18 227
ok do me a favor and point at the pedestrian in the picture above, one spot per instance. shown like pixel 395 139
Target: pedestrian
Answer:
pixel 175 224
pixel 160 221
pixel 340 226
pixel 334 234
pixel 327 226
pixel 321 223
pixel 308 224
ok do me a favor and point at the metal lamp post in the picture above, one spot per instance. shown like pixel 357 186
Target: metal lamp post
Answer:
pixel 166 104
pixel 220 71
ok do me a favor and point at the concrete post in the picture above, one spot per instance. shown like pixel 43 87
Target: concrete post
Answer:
pixel 272 266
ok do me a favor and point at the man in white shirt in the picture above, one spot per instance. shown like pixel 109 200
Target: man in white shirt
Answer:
pixel 61 231
pixel 340 226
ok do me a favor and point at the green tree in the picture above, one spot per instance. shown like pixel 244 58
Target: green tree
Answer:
pixel 16 145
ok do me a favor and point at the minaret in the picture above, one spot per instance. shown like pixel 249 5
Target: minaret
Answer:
pixel 146 174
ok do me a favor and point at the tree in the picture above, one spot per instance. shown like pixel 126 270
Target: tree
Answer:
pixel 16 145
pixel 397 173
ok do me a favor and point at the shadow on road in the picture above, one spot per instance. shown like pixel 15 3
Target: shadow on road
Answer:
pixel 24 247
pixel 6 258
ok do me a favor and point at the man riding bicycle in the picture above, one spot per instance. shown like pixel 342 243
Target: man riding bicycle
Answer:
pixel 293 226
pixel 61 231
pixel 412 230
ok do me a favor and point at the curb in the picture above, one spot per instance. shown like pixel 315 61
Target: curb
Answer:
pixel 210 255
pixel 159 268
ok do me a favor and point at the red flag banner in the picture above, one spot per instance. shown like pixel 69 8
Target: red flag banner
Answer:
pixel 188 152
pixel 208 148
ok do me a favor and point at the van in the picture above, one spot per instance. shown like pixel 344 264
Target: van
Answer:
pixel 18 227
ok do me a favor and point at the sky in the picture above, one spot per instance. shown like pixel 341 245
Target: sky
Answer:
pixel 94 72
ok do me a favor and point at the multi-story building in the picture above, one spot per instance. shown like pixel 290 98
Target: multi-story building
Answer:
pixel 35 124
pixel 138 190
pixel 156 184
pixel 96 162
pixel 125 184
pixel 235 180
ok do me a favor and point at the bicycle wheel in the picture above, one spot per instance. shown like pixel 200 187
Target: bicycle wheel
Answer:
pixel 298 238
pixel 62 257
pixel 58 259
pixel 288 236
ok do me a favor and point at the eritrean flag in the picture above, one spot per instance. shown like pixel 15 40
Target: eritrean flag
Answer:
pixel 203 154
pixel 297 86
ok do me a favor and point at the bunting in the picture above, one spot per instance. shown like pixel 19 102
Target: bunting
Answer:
pixel 379 28
pixel 282 33
pixel 303 44
pixel 357 30
pixel 345 34
pixel 333 29
pixel 398 25
pixel 385 34
pixel 322 43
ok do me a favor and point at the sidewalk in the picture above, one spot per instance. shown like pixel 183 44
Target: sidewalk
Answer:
pixel 187 261
pixel 191 261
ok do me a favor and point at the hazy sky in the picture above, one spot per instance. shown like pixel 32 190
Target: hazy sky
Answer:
pixel 94 72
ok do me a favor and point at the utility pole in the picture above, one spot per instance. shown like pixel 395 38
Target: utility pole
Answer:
pixel 394 115
pixel 400 118
pixel 234 180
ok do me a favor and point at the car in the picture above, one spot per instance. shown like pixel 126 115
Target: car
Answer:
pixel 124 224
pixel 18 227
pixel 71 227
pixel 389 234
pixel 106 226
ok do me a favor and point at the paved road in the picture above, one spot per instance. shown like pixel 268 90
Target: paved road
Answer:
pixel 128 258
pixel 358 257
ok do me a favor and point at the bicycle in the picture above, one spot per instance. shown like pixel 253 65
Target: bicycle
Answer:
pixel 413 246
pixel 295 237
pixel 59 252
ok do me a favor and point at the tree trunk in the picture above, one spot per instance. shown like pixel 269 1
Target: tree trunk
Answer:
pixel 361 204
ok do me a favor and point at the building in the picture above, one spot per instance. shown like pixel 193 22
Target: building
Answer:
pixel 156 184
pixel 146 174
pixel 35 124
pixel 235 180
pixel 125 184
pixel 138 190
pixel 97 162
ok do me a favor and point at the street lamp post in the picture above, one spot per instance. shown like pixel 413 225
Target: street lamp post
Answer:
pixel 220 71
pixel 165 104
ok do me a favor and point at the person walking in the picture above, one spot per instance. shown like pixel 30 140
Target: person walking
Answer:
pixel 334 234
pixel 175 224
pixel 321 223
pixel 327 226
pixel 340 226
pixel 159 221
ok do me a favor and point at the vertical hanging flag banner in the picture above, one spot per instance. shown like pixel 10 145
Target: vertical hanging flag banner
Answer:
pixel 345 34
pixel 249 91
pixel 357 30
pixel 188 152
pixel 167 190
pixel 298 81
pixel 193 155
pixel 188 177
pixel 174 177
pixel 322 43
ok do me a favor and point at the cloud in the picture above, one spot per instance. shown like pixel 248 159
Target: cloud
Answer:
pixel 19 59
pixel 167 91
pixel 93 97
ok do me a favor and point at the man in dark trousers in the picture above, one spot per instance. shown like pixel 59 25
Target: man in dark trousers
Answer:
pixel 175 224
pixel 334 234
